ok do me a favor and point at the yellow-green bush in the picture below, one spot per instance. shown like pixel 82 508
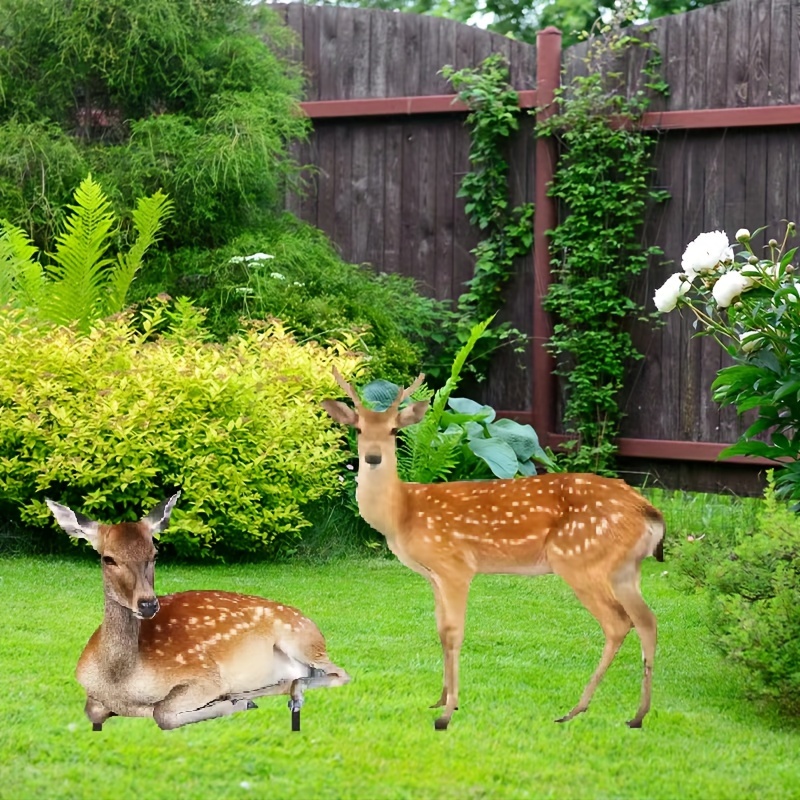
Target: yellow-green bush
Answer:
pixel 109 422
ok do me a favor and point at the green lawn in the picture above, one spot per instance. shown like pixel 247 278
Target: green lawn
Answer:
pixel 529 650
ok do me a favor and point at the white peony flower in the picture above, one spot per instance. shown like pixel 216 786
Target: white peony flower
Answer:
pixel 751 340
pixel 666 298
pixel 705 253
pixel 278 276
pixel 742 235
pixel 259 257
pixel 729 287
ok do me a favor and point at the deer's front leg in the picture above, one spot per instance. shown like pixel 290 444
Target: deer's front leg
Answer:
pixel 450 594
pixel 97 713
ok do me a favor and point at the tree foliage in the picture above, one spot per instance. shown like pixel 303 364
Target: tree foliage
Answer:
pixel 523 20
pixel 177 95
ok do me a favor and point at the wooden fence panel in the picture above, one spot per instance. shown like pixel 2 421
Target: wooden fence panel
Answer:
pixel 385 188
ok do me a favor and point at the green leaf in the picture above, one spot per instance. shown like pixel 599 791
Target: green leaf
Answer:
pixel 750 448
pixel 498 455
pixel 522 438
pixel 470 408
pixel 379 395
pixel 793 387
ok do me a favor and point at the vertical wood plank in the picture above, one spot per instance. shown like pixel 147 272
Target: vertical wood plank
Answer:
pixel 395 56
pixel 379 43
pixel 311 50
pixel 445 187
pixel 328 54
pixel 758 94
pixel 696 77
pixel 392 196
pixel 360 53
pixel 326 178
pixel 794 55
pixel 780 52
pixel 343 65
pixel 343 191
pixel 717 56
pixel 411 25
pixel 738 55
pixel 675 61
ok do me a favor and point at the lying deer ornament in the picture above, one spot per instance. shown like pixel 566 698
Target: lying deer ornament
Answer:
pixel 594 532
pixel 190 656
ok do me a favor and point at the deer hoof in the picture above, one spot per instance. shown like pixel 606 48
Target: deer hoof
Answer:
pixel 634 723
pixel 97 726
pixel 251 705
pixel 441 724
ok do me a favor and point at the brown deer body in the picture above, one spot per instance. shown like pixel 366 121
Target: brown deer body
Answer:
pixel 594 532
pixel 190 656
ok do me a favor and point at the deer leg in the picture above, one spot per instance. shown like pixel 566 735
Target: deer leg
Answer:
pixel 97 713
pixel 451 605
pixel 626 589
pixel 185 705
pixel 615 623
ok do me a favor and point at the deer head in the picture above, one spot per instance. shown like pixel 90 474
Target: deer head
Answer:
pixel 127 553
pixel 376 429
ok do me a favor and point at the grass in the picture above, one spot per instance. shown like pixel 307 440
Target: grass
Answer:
pixel 530 648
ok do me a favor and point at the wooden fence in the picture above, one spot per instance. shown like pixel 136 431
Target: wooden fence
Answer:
pixel 389 149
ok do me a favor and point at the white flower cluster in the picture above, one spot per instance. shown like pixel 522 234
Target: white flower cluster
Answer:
pixel 710 254
pixel 255 257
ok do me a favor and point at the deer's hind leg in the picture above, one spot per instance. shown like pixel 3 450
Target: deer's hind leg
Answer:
pixel 187 703
pixel 628 593
pixel 600 601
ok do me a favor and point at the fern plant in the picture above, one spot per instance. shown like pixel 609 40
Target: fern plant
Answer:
pixel 80 282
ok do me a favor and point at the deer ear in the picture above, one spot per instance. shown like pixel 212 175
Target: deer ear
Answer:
pixel 412 414
pixel 158 519
pixel 340 412
pixel 76 525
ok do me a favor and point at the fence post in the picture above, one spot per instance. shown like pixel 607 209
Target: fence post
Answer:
pixel 548 78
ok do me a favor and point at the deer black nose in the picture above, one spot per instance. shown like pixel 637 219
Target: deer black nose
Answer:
pixel 148 608
pixel 373 458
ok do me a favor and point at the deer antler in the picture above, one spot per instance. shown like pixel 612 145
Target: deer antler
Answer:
pixel 404 394
pixel 348 388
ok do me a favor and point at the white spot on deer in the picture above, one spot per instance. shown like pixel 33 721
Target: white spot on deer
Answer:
pixel 557 550
pixel 420 513
pixel 437 538
pixel 593 520
pixel 159 652
pixel 577 549
pixel 158 627
pixel 192 620
pixel 280 608
pixel 616 518
pixel 180 659
pixel 515 502
pixel 509 513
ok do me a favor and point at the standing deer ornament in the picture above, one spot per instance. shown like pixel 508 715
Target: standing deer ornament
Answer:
pixel 190 656
pixel 594 532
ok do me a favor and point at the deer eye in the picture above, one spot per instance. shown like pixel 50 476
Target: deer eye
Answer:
pixel 109 561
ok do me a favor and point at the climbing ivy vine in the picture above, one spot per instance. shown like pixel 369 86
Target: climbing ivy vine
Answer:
pixel 602 182
pixel 507 232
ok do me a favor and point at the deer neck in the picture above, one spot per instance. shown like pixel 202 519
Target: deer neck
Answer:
pixel 119 639
pixel 380 495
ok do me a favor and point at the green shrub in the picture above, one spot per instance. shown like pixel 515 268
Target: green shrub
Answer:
pixel 110 422
pixel 756 604
pixel 192 97
pixel 753 583
pixel 289 270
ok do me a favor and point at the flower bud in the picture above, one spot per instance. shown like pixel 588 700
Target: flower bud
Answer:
pixel 752 260
pixel 791 227
pixel 773 242
pixel 742 235
pixel 790 268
